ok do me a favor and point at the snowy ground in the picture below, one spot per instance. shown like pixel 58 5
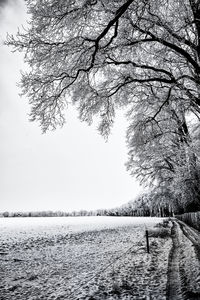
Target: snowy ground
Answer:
pixel 97 258
pixel 82 258
pixel 184 263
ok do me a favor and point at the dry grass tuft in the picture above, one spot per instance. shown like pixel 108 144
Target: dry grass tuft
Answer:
pixel 161 230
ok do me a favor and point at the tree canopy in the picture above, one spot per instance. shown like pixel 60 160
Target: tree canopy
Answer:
pixel 140 55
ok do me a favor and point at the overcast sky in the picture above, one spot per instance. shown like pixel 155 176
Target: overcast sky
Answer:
pixel 70 168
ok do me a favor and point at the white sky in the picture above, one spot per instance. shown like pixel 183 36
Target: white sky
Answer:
pixel 69 169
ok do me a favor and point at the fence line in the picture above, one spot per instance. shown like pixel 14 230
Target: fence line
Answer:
pixel 192 219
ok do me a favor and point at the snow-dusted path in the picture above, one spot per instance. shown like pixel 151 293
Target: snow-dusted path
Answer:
pixel 184 263
pixel 193 235
pixel 174 279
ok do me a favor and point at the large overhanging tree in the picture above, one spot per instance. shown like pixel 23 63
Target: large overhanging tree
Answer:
pixel 106 54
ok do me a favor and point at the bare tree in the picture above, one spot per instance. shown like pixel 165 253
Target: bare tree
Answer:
pixel 101 55
pixel 105 54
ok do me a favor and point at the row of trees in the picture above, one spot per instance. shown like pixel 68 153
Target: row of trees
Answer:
pixel 48 213
pixel 146 205
pixel 139 55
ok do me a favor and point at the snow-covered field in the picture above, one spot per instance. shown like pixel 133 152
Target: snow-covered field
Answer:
pixel 81 258
pixel 51 225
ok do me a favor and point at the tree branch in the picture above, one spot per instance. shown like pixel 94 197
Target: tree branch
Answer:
pixel 170 45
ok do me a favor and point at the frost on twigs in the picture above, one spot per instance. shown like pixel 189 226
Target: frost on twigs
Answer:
pixel 138 55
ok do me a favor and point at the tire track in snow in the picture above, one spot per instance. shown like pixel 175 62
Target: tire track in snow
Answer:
pixel 193 235
pixel 178 286
pixel 174 290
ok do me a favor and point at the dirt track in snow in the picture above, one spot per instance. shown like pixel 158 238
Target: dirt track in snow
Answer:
pixel 184 264
pixel 50 266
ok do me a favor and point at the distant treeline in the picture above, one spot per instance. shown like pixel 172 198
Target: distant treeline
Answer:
pixel 47 214
pixel 144 205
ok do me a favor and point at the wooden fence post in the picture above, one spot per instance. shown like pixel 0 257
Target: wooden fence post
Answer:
pixel 147 240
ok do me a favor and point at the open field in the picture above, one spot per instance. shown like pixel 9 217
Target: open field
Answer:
pixel 81 258
pixel 98 258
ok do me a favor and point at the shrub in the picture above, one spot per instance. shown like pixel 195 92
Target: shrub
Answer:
pixel 160 232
